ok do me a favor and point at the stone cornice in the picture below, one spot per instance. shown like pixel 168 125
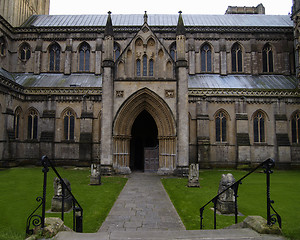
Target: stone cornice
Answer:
pixel 64 91
pixel 281 93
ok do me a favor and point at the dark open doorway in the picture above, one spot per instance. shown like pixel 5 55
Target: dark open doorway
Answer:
pixel 144 134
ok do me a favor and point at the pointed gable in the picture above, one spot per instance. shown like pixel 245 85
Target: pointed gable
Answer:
pixel 145 57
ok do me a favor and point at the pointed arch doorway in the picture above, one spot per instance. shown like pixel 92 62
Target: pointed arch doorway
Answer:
pixel 134 130
pixel 144 143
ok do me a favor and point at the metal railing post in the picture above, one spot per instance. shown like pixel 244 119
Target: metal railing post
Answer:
pixel 45 171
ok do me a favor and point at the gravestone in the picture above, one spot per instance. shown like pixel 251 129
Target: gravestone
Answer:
pixel 95 178
pixel 225 203
pixel 56 203
pixel 194 175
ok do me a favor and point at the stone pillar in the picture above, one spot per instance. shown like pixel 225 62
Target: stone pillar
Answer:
pixel 254 57
pixel 182 99
pixel 68 57
pixel 107 96
pixel 37 57
pixel 98 57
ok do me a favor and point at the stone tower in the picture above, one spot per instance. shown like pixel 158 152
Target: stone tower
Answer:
pixel 16 12
pixel 182 97
pixel 107 93
pixel 296 19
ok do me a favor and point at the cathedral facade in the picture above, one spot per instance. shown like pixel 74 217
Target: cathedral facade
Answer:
pixel 149 92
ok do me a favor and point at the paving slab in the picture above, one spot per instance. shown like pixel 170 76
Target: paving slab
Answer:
pixel 143 204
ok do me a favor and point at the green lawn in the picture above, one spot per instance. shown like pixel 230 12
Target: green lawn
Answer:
pixel 19 188
pixel 285 191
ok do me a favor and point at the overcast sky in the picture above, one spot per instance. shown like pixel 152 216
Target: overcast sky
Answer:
pixel 273 7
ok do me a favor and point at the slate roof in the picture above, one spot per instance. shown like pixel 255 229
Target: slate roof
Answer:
pixel 227 20
pixel 263 82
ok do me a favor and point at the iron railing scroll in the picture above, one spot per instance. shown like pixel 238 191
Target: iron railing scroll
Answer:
pixel 271 218
pixel 39 220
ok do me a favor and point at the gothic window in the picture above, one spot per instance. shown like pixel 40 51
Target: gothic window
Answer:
pixel 138 67
pixel 2 47
pixel 116 51
pixel 145 65
pixel 267 59
pixel 54 51
pixel 221 121
pixel 151 63
pixel 236 58
pixel 17 118
pixel 296 128
pixel 32 125
pixel 206 58
pixel 259 127
pixel 25 52
pixel 84 57
pixel 69 125
pixel 173 52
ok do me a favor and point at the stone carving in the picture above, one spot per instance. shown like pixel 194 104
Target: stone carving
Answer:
pixel 169 93
pixel 120 94
pixel 95 178
pixel 56 203
pixel 225 203
pixel 194 175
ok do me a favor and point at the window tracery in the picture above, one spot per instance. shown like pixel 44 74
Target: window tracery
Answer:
pixel 54 52
pixel 84 57
pixel 296 128
pixel 25 52
pixel 236 58
pixel 173 51
pixel 221 125
pixel 117 51
pixel 259 127
pixel 32 124
pixel 206 62
pixel 268 59
pixel 69 125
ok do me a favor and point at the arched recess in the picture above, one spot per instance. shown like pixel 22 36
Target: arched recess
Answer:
pixel 144 100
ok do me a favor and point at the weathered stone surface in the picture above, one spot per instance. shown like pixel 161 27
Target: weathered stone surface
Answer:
pixel 95 178
pixel 259 224
pixel 225 203
pixel 194 175
pixel 56 203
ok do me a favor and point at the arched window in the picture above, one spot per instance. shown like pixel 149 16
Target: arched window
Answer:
pixel 259 127
pixel 138 67
pixel 54 51
pixel 206 58
pixel 221 122
pixel 25 52
pixel 173 51
pixel 145 65
pixel 17 118
pixel 151 66
pixel 2 47
pixel 32 124
pixel 237 58
pixel 267 59
pixel 116 51
pixel 296 128
pixel 69 125
pixel 84 57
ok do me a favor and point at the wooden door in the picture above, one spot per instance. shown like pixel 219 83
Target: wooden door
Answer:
pixel 151 159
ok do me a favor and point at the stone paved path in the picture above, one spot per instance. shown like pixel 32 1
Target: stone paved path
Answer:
pixel 143 205
pixel 143 210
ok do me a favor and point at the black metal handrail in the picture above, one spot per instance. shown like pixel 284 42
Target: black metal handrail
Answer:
pixel 267 165
pixel 38 220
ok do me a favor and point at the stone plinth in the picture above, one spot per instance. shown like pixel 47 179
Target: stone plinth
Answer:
pixel 56 203
pixel 225 203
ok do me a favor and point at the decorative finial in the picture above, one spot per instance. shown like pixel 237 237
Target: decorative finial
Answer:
pixel 109 12
pixel 180 12
pixel 109 28
pixel 145 17
pixel 180 25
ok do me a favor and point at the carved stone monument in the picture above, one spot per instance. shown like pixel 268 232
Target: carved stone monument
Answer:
pixel 225 203
pixel 95 178
pixel 56 203
pixel 194 175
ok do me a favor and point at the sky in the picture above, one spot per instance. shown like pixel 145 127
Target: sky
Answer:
pixel 60 7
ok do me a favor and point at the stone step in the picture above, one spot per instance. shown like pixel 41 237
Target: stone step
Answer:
pixel 228 234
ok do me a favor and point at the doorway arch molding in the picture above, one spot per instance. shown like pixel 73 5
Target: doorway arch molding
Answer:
pixel 147 100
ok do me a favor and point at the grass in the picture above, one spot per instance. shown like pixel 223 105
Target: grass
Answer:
pixel 285 191
pixel 19 188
